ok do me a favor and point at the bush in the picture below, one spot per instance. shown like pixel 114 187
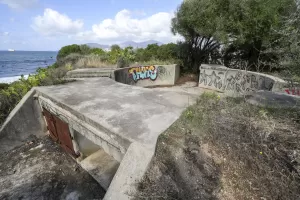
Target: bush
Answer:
pixel 11 94
pixel 67 50
pixel 3 86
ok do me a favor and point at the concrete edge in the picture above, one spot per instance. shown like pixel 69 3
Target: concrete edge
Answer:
pixel 28 95
pixel 24 123
pixel 130 172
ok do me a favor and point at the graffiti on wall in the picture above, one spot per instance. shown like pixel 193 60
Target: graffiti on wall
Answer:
pixel 163 72
pixel 143 72
pixel 235 81
pixel 293 91
pixel 292 88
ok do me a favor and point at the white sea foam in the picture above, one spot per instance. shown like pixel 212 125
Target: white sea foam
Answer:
pixel 11 79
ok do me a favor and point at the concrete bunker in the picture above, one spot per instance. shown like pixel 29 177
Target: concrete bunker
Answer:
pixel 110 128
pixel 38 116
pixel 96 155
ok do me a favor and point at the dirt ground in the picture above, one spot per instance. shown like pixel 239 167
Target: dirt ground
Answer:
pixel 227 149
pixel 40 169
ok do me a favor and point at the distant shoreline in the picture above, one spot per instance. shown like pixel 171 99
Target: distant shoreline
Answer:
pixel 25 50
pixel 11 79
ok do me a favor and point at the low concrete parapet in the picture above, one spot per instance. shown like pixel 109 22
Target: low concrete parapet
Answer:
pixel 90 72
pixel 237 82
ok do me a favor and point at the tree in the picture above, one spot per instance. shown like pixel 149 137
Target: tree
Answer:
pixel 246 27
pixel 167 52
pixel 251 26
pixel 114 53
pixel 115 48
pixel 289 49
pixel 198 27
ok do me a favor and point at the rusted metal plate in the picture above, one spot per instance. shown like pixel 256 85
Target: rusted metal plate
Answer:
pixel 50 124
pixel 59 132
pixel 64 136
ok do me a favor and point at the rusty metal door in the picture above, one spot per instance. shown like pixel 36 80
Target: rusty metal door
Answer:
pixel 50 125
pixel 59 132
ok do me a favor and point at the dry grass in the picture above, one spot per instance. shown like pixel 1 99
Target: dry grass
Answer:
pixel 227 149
pixel 91 61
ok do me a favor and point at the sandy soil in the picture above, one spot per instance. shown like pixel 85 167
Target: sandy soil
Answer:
pixel 40 169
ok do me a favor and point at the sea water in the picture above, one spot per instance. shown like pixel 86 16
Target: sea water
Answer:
pixel 16 63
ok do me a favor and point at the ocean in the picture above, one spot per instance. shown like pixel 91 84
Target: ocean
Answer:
pixel 16 63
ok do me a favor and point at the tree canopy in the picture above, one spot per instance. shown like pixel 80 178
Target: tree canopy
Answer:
pixel 245 27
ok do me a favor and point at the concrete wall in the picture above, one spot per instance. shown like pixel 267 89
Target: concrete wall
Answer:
pixel 85 146
pixel 237 82
pixel 25 120
pixel 147 76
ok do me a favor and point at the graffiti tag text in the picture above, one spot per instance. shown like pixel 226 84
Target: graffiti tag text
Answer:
pixel 141 73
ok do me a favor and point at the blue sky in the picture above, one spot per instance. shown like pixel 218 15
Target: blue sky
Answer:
pixel 50 24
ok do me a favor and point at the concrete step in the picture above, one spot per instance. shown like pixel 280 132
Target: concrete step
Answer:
pixel 101 166
pixel 90 72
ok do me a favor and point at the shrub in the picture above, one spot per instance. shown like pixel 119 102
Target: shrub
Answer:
pixel 3 86
pixel 11 94
pixel 67 50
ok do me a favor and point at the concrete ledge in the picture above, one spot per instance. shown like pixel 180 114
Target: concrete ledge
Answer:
pixel 90 72
pixel 25 120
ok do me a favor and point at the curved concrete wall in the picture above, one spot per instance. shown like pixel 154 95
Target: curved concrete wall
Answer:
pixel 237 82
pixel 147 76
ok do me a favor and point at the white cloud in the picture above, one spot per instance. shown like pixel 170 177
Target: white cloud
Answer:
pixel 125 27
pixel 19 4
pixel 4 33
pixel 12 19
pixel 52 23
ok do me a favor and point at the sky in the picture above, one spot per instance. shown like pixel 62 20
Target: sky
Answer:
pixel 50 24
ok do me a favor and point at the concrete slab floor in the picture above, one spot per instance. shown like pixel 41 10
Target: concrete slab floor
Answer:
pixel 40 169
pixel 134 113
